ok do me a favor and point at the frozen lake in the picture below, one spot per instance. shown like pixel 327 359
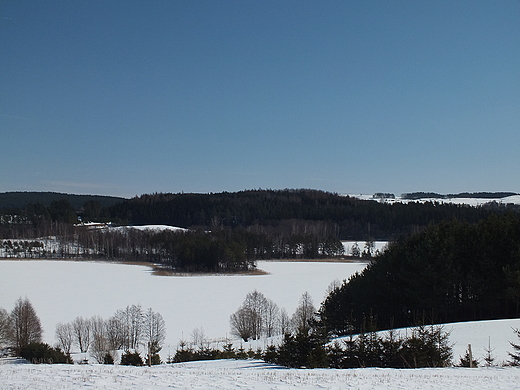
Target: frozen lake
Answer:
pixel 63 290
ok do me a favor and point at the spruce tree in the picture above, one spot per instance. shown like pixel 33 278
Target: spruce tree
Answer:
pixel 515 356
pixel 468 361
pixel 489 358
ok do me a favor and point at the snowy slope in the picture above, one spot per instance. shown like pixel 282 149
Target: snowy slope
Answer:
pixel 155 228
pixel 515 199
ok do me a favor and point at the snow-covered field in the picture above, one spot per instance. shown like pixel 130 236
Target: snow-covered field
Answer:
pixel 230 374
pixel 154 228
pixel 514 199
pixel 63 290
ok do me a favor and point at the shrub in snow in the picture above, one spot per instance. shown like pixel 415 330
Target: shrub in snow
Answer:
pixel 465 361
pixel 44 353
pixel 131 359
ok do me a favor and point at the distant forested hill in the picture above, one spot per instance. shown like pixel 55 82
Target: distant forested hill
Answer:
pixel 227 231
pixel 348 217
pixel 20 200
pixel 291 211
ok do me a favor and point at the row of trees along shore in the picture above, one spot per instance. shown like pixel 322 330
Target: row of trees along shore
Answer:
pixel 221 250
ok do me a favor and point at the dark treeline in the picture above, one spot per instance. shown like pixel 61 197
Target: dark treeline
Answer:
pixel 453 271
pixel 481 195
pixel 355 219
pixel 346 218
pixel 19 200
pixel 56 219
pixel 221 250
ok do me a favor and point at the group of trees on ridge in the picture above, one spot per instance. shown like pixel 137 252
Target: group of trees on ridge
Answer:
pixel 130 330
pixel 259 317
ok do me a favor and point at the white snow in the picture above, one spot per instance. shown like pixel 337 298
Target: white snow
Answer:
pixel 379 246
pixel 63 290
pixel 152 227
pixel 515 199
pixel 251 374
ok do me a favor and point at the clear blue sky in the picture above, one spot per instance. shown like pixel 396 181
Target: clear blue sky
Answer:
pixel 131 97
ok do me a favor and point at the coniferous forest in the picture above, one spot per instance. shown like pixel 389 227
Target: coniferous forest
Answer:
pixel 452 271
pixel 351 218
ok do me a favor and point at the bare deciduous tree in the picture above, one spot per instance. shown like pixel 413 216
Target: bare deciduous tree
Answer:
pixel 285 322
pixel 271 318
pixel 99 346
pixel 154 333
pixel 333 286
pixel 256 317
pixel 5 327
pixel 198 338
pixel 131 320
pixel 64 337
pixel 81 330
pixel 256 302
pixel 240 322
pixel 26 325
pixel 114 333
pixel 304 313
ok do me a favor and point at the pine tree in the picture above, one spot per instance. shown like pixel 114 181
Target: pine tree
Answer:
pixel 489 358
pixel 468 361
pixel 515 357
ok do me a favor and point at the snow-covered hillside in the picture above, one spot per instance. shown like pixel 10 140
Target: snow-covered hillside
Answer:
pixel 515 199
pixel 154 228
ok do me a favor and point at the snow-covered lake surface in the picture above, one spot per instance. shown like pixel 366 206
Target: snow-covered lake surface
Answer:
pixel 63 290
